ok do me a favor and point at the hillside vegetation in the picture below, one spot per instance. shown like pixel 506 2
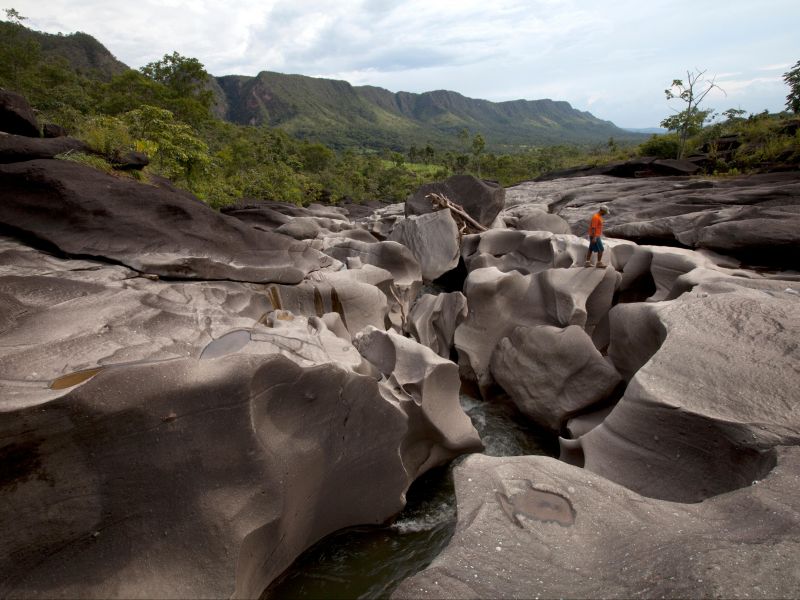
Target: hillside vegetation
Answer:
pixel 334 141
pixel 341 115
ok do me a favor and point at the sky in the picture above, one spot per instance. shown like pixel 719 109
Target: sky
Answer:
pixel 611 58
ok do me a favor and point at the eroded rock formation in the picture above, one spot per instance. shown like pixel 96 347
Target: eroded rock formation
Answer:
pixel 183 409
pixel 482 200
pixel 535 527
pixel 190 399
pixel 86 213
pixel 751 218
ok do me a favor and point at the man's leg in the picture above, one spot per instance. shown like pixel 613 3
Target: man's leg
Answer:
pixel 588 262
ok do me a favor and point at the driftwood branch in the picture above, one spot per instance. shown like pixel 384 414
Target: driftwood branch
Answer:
pixel 465 222
pixel 399 302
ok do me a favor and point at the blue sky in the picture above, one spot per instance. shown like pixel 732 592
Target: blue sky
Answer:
pixel 613 59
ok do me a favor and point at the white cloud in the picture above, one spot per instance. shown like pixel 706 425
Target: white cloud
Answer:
pixel 615 57
pixel 780 67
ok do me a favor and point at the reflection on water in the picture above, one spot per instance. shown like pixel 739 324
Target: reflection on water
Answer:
pixel 369 562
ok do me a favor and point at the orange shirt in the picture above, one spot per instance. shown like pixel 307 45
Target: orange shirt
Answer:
pixel 596 225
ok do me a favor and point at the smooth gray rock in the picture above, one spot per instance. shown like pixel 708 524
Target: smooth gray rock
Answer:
pixel 433 240
pixel 194 478
pixel 499 302
pixel 77 315
pixel 531 526
pixel 753 218
pixel 542 221
pixel 482 200
pixel 523 251
pixel 84 212
pixel 393 257
pixel 425 386
pixel 381 222
pixel 434 319
pixel 552 373
pixel 712 387
pixel 164 439
pixel 358 296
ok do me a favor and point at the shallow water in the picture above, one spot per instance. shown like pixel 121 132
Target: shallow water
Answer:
pixel 369 562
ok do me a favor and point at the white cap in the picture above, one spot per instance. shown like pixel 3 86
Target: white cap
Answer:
pixel 605 208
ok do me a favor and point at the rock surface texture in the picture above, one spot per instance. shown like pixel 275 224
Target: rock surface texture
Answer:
pixel 482 200
pixel 687 481
pixel 182 408
pixel 190 399
pixel 533 527
pixel 433 239
pixel 154 433
pixel 755 218
pixel 84 212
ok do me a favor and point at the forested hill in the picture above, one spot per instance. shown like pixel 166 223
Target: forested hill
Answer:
pixel 340 114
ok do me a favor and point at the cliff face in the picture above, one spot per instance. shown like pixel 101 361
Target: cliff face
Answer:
pixel 340 114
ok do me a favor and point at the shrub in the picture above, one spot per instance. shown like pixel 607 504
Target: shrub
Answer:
pixel 661 146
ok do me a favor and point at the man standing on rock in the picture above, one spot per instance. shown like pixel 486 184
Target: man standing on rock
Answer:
pixel 595 238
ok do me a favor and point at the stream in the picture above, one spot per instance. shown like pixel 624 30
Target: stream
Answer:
pixel 370 561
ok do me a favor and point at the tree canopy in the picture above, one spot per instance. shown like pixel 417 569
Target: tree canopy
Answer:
pixel 792 79
pixel 690 120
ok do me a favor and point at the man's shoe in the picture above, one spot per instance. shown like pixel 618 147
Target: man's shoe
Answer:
pixel 600 265
pixel 588 263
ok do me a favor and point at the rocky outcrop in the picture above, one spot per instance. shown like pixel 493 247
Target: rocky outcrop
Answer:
pixel 645 166
pixel 753 218
pixel 433 239
pixel 425 386
pixel 552 373
pixel 394 258
pixel 84 212
pixel 359 296
pixel 18 148
pixel 135 479
pixel 500 302
pixel 542 221
pixel 381 223
pixel 16 115
pixel 532 526
pixel 482 200
pixel 697 420
pixel 434 319
pixel 526 252
pixel 164 428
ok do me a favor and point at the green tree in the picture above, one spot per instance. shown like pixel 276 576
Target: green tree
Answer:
pixel 733 114
pixel 175 146
pixel 463 137
pixel 19 53
pixel 478 144
pixel 690 120
pixel 792 79
pixel 187 81
pixel 316 157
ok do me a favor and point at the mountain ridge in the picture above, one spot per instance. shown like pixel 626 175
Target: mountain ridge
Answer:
pixel 342 115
